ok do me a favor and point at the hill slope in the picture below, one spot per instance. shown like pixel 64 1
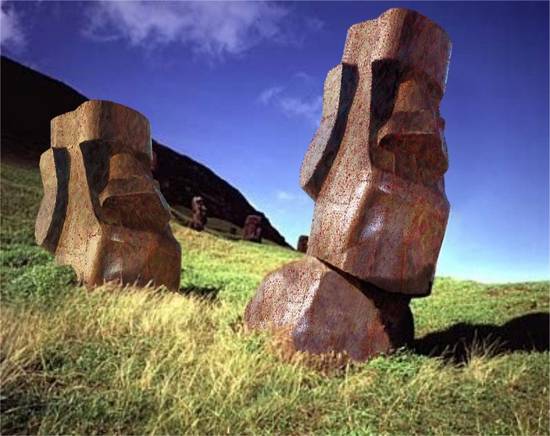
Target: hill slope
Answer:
pixel 148 361
pixel 31 99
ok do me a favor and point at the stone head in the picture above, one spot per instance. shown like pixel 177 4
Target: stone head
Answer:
pixel 102 211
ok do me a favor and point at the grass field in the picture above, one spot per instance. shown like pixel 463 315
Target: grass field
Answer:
pixel 135 361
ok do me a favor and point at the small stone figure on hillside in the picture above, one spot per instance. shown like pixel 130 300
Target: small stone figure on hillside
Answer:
pixel 375 171
pixel 252 230
pixel 102 212
pixel 199 210
pixel 302 244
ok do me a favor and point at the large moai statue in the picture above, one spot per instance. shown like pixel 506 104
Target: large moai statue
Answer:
pixel 375 171
pixel 102 212
pixel 199 210
pixel 252 230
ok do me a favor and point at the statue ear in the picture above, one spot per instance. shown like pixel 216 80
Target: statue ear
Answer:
pixel 54 169
pixel 339 90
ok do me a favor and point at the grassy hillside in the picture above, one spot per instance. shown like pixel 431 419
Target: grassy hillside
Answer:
pixel 150 361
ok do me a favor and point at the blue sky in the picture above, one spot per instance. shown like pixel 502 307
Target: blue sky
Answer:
pixel 238 86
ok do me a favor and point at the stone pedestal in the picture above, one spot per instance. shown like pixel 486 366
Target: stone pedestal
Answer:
pixel 320 310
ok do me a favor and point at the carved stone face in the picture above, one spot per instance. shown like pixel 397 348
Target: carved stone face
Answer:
pixel 102 211
pixel 375 166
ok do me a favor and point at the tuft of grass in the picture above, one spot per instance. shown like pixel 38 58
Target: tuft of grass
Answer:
pixel 135 361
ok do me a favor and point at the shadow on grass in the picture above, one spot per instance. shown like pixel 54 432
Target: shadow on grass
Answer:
pixel 525 333
pixel 208 293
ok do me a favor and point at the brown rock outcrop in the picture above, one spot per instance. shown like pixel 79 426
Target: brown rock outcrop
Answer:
pixel 102 212
pixel 375 171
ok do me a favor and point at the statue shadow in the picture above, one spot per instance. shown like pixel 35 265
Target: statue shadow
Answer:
pixel 455 344
pixel 207 293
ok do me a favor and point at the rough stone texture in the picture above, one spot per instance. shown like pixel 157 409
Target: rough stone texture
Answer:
pixel 320 310
pixel 375 171
pixel 102 212
pixel 199 211
pixel 302 244
pixel 375 166
pixel 252 230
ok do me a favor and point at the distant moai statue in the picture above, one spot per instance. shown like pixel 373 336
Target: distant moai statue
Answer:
pixel 199 211
pixel 252 230
pixel 102 212
pixel 375 171
pixel 302 243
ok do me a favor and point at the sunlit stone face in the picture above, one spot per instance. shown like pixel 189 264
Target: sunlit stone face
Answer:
pixel 102 211
pixel 409 141
pixel 375 167
pixel 122 189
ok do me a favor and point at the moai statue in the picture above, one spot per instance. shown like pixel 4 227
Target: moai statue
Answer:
pixel 302 244
pixel 102 212
pixel 252 230
pixel 199 214
pixel 375 171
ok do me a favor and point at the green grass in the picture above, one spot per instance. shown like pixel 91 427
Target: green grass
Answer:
pixel 149 361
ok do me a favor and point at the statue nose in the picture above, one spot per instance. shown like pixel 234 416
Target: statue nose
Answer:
pixel 416 141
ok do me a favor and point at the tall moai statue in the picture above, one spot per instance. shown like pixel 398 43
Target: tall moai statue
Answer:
pixel 375 171
pixel 199 210
pixel 102 211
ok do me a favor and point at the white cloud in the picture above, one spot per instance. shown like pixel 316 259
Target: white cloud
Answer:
pixel 12 36
pixel 292 106
pixel 269 94
pixel 300 98
pixel 285 196
pixel 214 29
pixel 308 78
pixel 309 108
pixel 314 23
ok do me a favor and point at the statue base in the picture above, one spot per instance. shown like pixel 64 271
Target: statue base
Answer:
pixel 319 309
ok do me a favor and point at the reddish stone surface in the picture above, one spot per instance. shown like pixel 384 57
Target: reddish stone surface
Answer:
pixel 302 244
pixel 252 230
pixel 320 310
pixel 199 210
pixel 375 166
pixel 375 171
pixel 102 212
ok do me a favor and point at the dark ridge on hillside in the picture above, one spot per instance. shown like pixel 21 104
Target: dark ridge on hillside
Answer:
pixel 31 99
